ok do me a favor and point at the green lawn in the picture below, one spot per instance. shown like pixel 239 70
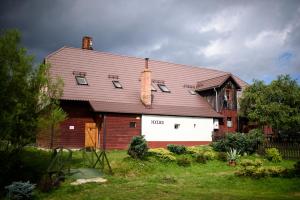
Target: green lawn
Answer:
pixel 152 179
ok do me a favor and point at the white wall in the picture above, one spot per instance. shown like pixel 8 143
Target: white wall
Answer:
pixel 161 128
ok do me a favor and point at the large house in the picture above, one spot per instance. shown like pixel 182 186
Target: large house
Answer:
pixel 111 98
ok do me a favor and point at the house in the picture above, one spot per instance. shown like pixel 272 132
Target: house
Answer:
pixel 111 98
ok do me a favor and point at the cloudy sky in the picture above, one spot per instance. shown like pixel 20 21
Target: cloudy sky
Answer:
pixel 251 39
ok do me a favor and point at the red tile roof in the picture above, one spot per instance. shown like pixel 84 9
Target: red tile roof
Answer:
pixel 103 96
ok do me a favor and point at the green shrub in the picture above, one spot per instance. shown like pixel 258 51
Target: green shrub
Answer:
pixel 232 155
pixel 20 190
pixel 210 155
pixel 138 147
pixel 200 158
pixel 242 142
pixel 273 155
pixel 162 154
pixel 247 162
pixel 178 149
pixel 222 156
pixel 297 168
pixel 184 161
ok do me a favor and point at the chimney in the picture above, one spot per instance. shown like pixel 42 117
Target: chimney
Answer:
pixel 87 43
pixel 146 85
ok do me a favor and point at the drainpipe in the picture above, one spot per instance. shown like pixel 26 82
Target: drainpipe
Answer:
pixel 104 132
pixel 217 109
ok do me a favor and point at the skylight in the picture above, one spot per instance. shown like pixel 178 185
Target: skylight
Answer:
pixel 153 88
pixel 117 84
pixel 192 92
pixel 163 88
pixel 81 80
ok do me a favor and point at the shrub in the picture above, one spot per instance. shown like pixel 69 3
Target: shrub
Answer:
pixel 222 156
pixel 232 155
pixel 184 161
pixel 162 154
pixel 138 147
pixel 178 149
pixel 200 158
pixel 247 162
pixel 20 190
pixel 242 142
pixel 297 168
pixel 273 155
pixel 210 155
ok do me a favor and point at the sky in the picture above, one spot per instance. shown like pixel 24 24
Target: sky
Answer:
pixel 250 39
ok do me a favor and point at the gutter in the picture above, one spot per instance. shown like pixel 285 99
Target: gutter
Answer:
pixel 217 109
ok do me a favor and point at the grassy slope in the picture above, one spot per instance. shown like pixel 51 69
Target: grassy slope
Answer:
pixel 154 180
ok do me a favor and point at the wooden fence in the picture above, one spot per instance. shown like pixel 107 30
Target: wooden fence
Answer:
pixel 287 150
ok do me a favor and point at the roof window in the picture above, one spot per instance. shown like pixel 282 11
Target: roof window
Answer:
pixel 163 88
pixel 117 84
pixel 81 80
pixel 192 92
pixel 153 88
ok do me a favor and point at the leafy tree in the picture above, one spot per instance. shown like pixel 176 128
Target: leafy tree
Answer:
pixel 51 112
pixel 276 104
pixel 18 92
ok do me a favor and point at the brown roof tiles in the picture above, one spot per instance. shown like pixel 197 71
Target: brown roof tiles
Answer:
pixel 101 67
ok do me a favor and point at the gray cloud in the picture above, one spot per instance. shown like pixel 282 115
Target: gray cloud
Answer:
pixel 247 38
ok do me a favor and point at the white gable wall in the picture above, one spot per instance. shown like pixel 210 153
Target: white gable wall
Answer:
pixel 162 128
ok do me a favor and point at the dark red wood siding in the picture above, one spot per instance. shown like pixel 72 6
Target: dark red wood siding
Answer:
pixel 118 132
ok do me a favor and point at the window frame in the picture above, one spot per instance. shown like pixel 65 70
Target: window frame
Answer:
pixel 163 88
pixel 132 124
pixel 77 77
pixel 153 88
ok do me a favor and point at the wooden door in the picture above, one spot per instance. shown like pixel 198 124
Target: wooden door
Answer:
pixel 91 135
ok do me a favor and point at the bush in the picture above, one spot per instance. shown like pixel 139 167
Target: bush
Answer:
pixel 178 149
pixel 273 155
pixel 200 158
pixel 20 190
pixel 138 147
pixel 184 161
pixel 162 154
pixel 222 156
pixel 247 162
pixel 242 142
pixel 297 168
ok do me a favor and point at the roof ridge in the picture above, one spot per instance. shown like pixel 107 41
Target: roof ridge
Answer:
pixel 55 52
pixel 127 56
pixel 227 74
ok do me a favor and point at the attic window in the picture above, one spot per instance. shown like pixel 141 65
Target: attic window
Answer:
pixel 81 80
pixel 117 84
pixel 163 88
pixel 153 88
pixel 192 92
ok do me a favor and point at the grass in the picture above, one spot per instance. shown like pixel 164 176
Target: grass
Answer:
pixel 152 179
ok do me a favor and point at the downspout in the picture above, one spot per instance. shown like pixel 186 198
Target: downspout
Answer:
pixel 217 107
pixel 104 132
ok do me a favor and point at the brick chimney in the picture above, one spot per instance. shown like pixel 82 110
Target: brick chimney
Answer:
pixel 146 85
pixel 87 43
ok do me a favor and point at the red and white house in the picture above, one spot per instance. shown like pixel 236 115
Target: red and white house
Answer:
pixel 112 98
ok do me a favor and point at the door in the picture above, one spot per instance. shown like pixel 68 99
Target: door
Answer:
pixel 91 135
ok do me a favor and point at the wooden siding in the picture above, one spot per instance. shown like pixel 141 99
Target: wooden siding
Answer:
pixel 118 132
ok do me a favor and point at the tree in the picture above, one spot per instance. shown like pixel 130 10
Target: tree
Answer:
pixel 18 92
pixel 276 104
pixel 51 112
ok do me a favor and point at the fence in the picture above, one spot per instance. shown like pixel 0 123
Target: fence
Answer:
pixel 287 150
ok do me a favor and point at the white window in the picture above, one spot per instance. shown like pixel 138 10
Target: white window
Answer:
pixel 229 122
pixel 81 80
pixel 153 88
pixel 117 84
pixel 163 88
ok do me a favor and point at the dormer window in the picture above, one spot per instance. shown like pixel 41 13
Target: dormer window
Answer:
pixel 117 84
pixel 163 88
pixel 153 88
pixel 81 80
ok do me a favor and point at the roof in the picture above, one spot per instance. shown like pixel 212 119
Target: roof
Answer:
pixel 99 67
pixel 215 82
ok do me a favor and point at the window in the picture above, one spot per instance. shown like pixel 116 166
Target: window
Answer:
pixel 81 80
pixel 153 88
pixel 229 122
pixel 117 84
pixel 132 124
pixel 176 126
pixel 192 92
pixel 163 88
